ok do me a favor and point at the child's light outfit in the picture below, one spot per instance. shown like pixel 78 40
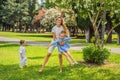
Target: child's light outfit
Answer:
pixel 23 61
pixel 63 48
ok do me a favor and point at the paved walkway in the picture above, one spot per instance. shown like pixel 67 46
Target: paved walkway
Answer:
pixel 73 46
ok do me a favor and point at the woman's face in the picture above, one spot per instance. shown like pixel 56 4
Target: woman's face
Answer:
pixel 59 21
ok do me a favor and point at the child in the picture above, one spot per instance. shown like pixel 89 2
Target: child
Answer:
pixel 22 53
pixel 67 39
pixel 64 48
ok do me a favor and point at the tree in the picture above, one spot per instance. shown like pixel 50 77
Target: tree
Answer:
pixel 37 18
pixel 117 29
pixel 108 26
pixel 31 12
pixel 49 19
pixel 19 13
pixel 94 11
pixel 115 15
pixel 97 14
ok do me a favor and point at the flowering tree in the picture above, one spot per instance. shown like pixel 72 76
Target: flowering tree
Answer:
pixel 39 16
pixel 51 15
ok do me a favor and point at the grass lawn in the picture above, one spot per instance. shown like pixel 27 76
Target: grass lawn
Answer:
pixel 43 37
pixel 9 66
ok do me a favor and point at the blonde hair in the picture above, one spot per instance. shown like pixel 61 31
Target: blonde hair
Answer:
pixel 64 26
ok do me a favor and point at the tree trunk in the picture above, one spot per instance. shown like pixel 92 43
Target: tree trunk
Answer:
pixel 31 12
pixel 27 27
pixel 109 40
pixel 9 26
pixel 13 28
pixel 109 26
pixel 31 28
pixel 20 27
pixel 76 31
pixel 73 31
pixel 118 40
pixel 103 31
pixel 87 34
pixel 2 26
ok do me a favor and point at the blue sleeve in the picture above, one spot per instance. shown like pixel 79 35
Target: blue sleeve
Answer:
pixel 55 42
pixel 67 39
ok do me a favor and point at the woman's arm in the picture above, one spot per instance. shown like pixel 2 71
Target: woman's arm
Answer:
pixel 54 36
pixel 49 45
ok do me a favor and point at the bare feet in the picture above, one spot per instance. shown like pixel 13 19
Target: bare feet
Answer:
pixel 75 62
pixel 41 69
pixel 60 71
pixel 72 64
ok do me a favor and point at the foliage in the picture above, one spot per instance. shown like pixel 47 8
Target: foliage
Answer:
pixel 76 6
pixel 39 16
pixel 91 12
pixel 116 20
pixel 17 13
pixel 96 55
pixel 51 15
pixel 12 11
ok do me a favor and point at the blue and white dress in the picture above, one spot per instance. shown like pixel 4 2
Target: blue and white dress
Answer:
pixel 63 48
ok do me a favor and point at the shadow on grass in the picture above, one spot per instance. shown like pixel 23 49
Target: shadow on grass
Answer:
pixel 9 45
pixel 76 72
pixel 2 42
pixel 40 57
pixel 46 36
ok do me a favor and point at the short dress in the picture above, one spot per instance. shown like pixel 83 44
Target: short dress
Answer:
pixel 63 48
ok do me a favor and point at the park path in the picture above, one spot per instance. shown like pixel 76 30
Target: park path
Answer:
pixel 36 43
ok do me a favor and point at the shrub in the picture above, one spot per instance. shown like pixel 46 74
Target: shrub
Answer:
pixel 92 54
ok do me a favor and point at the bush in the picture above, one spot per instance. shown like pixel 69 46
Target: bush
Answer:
pixel 92 54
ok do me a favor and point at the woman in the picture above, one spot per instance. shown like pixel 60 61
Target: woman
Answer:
pixel 56 30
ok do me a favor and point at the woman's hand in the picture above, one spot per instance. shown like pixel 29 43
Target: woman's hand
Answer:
pixel 48 46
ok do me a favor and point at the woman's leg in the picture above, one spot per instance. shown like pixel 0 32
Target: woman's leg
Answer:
pixel 60 61
pixel 50 50
pixel 45 61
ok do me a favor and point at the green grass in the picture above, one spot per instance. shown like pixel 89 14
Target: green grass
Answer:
pixel 9 66
pixel 28 36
